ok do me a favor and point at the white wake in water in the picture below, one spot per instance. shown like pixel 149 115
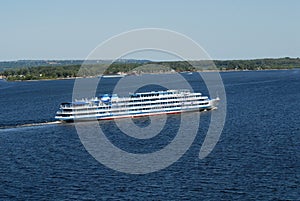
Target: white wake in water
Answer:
pixel 29 125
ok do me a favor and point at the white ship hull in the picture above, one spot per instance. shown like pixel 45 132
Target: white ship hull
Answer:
pixel 137 105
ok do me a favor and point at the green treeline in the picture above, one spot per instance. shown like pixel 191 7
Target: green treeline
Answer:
pixel 41 72
pixel 70 71
pixel 259 64
pixel 255 64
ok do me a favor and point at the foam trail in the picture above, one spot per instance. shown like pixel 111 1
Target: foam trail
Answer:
pixel 30 125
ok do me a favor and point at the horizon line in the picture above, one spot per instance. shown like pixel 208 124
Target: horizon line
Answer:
pixel 140 59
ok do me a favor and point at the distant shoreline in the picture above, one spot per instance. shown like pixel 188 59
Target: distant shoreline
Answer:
pixel 36 70
pixel 160 73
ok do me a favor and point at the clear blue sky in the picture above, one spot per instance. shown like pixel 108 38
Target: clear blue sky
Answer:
pixel 226 29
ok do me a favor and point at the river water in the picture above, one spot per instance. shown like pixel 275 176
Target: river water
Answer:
pixel 257 156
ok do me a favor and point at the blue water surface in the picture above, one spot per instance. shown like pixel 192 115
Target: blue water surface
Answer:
pixel 256 158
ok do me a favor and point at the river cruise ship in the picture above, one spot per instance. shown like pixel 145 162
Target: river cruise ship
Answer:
pixel 110 106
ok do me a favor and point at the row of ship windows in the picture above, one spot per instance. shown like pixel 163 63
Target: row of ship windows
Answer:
pixel 155 99
pixel 143 95
pixel 156 94
pixel 172 102
pixel 141 109
pixel 137 109
pixel 153 94
pixel 144 100
pixel 168 103
pixel 137 105
pixel 160 103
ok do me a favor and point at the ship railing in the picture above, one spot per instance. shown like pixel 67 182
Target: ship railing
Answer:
pixel 83 111
pixel 83 106
pixel 181 98
pixel 177 96
pixel 143 103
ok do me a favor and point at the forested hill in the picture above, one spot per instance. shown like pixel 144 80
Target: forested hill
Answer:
pixel 6 65
pixel 71 68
